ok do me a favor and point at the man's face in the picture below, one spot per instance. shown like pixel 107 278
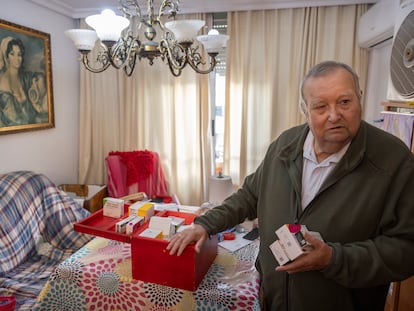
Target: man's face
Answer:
pixel 333 110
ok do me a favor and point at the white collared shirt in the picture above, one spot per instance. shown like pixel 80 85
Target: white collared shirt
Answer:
pixel 314 173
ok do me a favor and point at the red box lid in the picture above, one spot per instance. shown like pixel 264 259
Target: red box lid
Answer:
pixel 99 225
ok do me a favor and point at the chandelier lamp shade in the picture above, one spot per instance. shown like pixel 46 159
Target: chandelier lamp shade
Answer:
pixel 120 44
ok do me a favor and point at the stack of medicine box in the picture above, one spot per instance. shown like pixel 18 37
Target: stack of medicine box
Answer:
pixel 159 227
pixel 167 225
pixel 143 209
pixel 129 224
pixel 138 213
pixel 291 243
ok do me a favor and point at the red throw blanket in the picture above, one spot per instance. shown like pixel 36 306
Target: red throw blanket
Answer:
pixel 140 164
pixel 135 171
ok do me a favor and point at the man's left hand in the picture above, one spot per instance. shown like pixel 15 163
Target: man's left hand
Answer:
pixel 316 259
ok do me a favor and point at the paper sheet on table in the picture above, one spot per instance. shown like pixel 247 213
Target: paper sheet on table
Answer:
pixel 234 245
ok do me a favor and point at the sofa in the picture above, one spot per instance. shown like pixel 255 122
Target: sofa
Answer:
pixel 36 233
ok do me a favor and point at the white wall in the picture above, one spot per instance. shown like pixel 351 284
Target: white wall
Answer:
pixel 53 152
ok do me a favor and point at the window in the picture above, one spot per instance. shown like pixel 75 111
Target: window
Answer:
pixel 218 82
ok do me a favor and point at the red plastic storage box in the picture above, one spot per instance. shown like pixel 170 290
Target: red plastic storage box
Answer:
pixel 151 262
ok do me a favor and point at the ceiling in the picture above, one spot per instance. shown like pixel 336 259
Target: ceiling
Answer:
pixel 83 8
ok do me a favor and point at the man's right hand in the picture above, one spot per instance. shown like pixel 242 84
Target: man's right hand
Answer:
pixel 196 233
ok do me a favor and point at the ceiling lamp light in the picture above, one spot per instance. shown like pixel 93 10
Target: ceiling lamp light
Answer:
pixel 120 48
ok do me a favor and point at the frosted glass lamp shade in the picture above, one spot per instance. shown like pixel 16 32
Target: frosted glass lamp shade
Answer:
pixel 213 43
pixel 84 39
pixel 220 188
pixel 107 25
pixel 185 30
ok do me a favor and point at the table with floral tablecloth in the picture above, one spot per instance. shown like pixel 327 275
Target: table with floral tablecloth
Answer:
pixel 99 277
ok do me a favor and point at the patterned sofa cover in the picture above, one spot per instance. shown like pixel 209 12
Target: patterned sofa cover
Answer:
pixel 36 233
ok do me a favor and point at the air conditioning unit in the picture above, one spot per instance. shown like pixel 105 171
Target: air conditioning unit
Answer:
pixel 377 24
pixel 401 76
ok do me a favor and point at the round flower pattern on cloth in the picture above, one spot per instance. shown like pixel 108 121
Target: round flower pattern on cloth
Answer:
pixel 105 291
pixel 63 295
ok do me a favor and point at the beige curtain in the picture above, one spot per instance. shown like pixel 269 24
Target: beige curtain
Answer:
pixel 149 110
pixel 267 55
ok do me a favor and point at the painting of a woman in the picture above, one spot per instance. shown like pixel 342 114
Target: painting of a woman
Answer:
pixel 22 93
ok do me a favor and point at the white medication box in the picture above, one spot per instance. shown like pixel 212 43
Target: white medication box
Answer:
pixel 162 223
pixel 291 239
pixel 121 225
pixel 151 233
pixel 279 253
pixel 133 208
pixel 134 224
pixel 292 242
pixel 113 207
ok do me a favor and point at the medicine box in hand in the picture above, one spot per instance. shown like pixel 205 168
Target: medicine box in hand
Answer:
pixel 279 252
pixel 292 241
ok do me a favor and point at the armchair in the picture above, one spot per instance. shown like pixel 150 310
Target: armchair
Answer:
pixel 135 171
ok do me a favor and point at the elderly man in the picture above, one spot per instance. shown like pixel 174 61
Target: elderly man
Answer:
pixel 350 181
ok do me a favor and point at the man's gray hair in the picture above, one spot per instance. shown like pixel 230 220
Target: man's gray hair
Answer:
pixel 322 69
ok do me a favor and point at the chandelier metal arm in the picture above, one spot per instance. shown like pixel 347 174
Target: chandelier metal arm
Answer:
pixel 176 72
pixel 194 59
pixel 130 8
pixel 174 53
pixel 172 12
pixel 85 62
pixel 129 68
pixel 123 53
pixel 150 11
pixel 112 52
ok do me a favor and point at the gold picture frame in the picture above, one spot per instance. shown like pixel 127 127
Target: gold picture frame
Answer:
pixel 26 93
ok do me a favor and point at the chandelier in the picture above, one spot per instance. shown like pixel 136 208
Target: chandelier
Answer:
pixel 120 47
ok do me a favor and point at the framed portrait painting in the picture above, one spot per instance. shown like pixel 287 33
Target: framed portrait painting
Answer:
pixel 26 95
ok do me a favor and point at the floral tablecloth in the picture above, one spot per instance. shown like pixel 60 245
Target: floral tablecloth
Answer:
pixel 99 277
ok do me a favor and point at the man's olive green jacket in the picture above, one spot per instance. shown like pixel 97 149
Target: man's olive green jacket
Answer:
pixel 364 211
